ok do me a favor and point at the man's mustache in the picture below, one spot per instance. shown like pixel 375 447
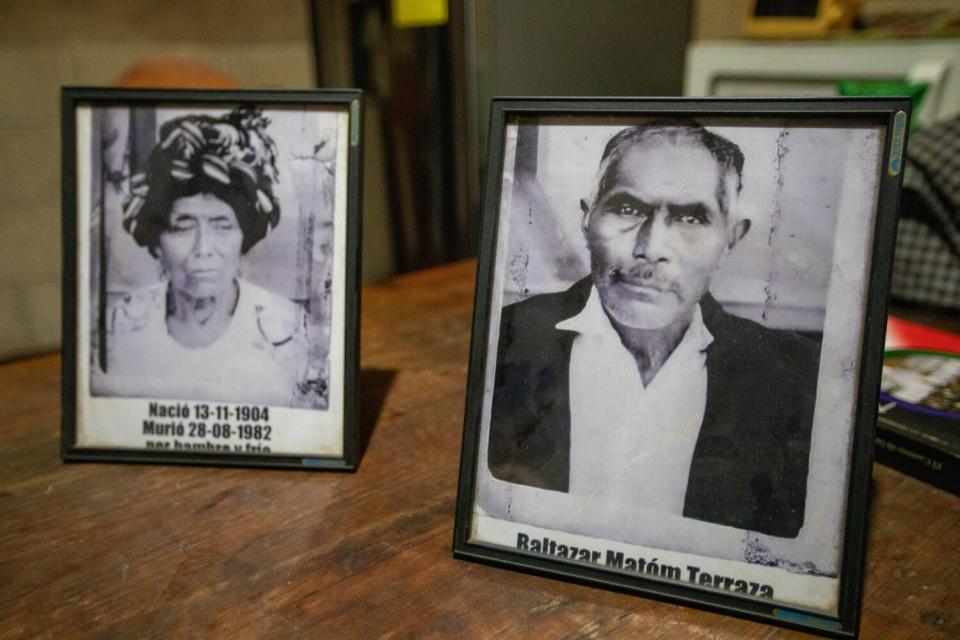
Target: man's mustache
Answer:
pixel 642 275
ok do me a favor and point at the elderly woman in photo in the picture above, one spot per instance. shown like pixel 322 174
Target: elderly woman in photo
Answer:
pixel 205 199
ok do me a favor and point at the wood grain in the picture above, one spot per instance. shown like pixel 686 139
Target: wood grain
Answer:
pixel 131 551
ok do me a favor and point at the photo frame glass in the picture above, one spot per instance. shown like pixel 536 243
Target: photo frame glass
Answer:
pixel 215 302
pixel 668 346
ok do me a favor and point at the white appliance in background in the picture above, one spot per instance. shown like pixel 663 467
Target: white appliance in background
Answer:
pixel 728 68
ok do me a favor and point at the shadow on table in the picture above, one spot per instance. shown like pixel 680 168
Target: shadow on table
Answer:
pixel 373 384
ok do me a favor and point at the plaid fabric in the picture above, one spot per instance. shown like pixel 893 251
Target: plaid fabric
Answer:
pixel 927 264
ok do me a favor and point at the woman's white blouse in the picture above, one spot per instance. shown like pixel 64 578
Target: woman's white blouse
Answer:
pixel 260 359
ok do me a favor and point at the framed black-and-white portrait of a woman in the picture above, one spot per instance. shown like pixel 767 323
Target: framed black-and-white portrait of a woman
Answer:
pixel 210 294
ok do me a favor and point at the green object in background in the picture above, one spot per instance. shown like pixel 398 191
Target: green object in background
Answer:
pixel 914 90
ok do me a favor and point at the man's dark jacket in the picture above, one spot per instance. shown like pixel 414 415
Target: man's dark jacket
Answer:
pixel 749 467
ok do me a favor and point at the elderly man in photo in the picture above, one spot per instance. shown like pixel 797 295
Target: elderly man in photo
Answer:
pixel 634 387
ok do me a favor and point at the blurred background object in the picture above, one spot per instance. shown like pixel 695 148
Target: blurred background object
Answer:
pixel 734 67
pixel 174 73
pixel 911 18
pixel 927 260
pixel 800 18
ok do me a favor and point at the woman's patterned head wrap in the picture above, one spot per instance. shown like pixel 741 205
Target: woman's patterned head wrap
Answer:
pixel 231 157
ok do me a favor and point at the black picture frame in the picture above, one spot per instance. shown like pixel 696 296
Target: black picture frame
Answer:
pixel 349 103
pixel 891 115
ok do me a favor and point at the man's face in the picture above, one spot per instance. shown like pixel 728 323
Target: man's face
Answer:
pixel 657 234
pixel 200 250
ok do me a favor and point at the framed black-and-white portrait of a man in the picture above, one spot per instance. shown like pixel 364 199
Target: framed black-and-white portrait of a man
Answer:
pixel 676 348
pixel 210 293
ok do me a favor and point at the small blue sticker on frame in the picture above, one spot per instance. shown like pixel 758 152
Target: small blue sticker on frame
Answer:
pixel 896 151
pixel 815 621
pixel 354 123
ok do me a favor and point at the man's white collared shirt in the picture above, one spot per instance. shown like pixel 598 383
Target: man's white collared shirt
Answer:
pixel 631 445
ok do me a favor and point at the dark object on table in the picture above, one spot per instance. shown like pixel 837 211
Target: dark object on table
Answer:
pixel 926 447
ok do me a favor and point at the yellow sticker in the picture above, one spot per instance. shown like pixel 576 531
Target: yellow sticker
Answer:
pixel 418 13
pixel 896 145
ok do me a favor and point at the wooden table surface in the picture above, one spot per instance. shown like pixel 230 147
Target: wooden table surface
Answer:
pixel 136 551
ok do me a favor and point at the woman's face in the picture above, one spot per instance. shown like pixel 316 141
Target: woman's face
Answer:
pixel 200 250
